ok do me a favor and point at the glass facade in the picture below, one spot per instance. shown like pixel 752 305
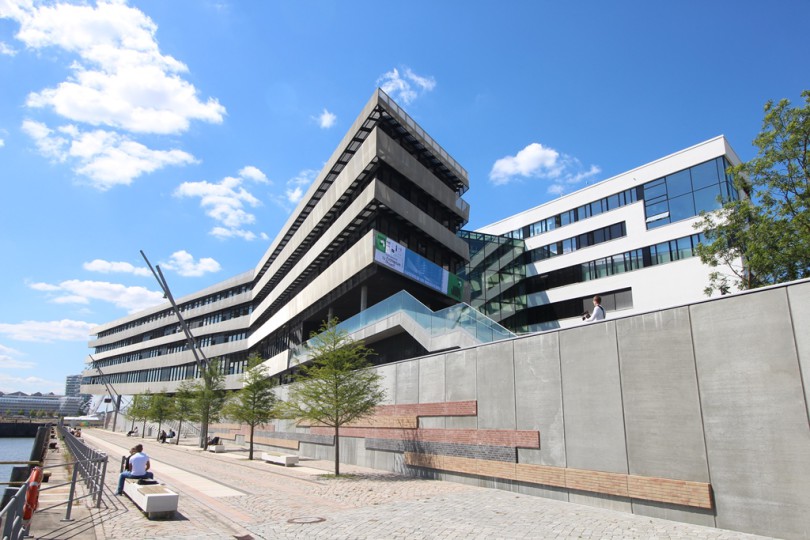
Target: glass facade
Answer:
pixel 687 193
pixel 496 267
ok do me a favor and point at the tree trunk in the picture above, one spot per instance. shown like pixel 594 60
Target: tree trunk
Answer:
pixel 143 430
pixel 337 450
pixel 250 454
pixel 177 437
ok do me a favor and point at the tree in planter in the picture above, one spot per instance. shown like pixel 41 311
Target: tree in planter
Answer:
pixel 769 231
pixel 337 386
pixel 207 396
pixel 255 403
pixel 161 408
pixel 139 409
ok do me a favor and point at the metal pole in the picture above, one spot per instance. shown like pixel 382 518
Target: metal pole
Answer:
pixel 117 408
pixel 100 482
pixel 70 497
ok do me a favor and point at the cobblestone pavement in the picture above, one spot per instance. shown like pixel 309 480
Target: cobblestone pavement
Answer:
pixel 226 496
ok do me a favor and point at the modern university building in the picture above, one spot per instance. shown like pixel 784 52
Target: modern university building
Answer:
pixel 674 407
pixel 380 234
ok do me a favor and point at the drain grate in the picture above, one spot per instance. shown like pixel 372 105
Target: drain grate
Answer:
pixel 305 520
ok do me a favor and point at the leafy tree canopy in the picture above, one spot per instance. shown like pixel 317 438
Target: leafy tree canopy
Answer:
pixel 255 403
pixel 337 386
pixel 764 238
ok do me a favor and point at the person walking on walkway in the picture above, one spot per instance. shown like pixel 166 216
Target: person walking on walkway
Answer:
pixel 138 468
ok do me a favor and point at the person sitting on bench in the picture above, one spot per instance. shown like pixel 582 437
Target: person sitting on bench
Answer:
pixel 132 432
pixel 213 441
pixel 138 468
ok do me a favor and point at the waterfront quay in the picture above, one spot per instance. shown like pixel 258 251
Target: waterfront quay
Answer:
pixel 226 496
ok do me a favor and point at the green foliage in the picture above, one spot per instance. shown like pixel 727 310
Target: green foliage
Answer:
pixel 770 229
pixel 207 397
pixel 255 403
pixel 139 409
pixel 337 386
pixel 161 408
pixel 183 407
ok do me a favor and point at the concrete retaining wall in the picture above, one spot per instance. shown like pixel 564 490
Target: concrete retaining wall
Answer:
pixel 703 404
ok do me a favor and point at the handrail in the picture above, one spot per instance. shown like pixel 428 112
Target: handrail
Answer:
pixel 457 317
pixel 89 463
pixel 11 517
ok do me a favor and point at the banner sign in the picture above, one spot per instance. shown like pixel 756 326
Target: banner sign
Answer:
pixel 400 259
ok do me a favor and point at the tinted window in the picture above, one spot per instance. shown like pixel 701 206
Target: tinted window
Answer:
pixel 704 175
pixel 678 184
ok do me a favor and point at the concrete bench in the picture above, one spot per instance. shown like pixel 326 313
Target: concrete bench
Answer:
pixel 287 460
pixel 216 448
pixel 154 500
pixel 170 439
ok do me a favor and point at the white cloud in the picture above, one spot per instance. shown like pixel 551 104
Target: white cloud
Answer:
pixel 295 188
pixel 253 173
pixel 538 161
pixel 2 143
pixel 326 119
pixel 48 331
pixel 109 267
pixel 183 263
pixel 106 158
pixel 119 80
pixel 29 385
pixel 8 360
pixel 82 292
pixel 8 351
pixel 225 202
pixel 6 49
pixel 406 87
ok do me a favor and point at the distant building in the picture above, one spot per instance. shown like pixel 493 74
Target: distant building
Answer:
pixel 20 403
pixel 73 387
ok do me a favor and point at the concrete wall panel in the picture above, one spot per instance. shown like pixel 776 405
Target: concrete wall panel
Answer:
pixel 461 384
pixel 755 417
pixel 538 393
pixel 389 382
pixel 407 382
pixel 496 393
pixel 592 400
pixel 432 388
pixel 661 402
pixel 799 297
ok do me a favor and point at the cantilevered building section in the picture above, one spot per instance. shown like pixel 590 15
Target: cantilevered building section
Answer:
pixel 382 217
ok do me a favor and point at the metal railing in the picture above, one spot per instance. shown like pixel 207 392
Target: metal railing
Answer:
pixel 11 517
pixel 88 463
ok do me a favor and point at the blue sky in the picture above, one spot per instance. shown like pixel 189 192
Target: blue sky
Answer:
pixel 188 129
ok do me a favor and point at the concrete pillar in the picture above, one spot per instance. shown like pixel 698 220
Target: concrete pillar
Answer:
pixel 363 297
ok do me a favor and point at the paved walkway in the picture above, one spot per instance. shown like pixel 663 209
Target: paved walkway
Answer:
pixel 225 496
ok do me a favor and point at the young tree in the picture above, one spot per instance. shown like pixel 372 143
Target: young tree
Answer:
pixel 139 409
pixel 183 406
pixel 769 230
pixel 254 404
pixel 161 408
pixel 336 386
pixel 207 395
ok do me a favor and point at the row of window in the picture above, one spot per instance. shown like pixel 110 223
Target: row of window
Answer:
pixel 569 245
pixel 228 365
pixel 213 318
pixel 606 204
pixel 545 317
pixel 241 289
pixel 206 341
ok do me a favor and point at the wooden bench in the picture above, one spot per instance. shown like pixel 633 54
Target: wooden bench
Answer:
pixel 154 500
pixel 287 460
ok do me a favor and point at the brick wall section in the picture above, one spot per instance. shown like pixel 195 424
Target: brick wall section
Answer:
pixel 448 408
pixel 473 451
pixel 597 481
pixel 695 494
pixel 394 422
pixel 671 491
pixel 493 437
